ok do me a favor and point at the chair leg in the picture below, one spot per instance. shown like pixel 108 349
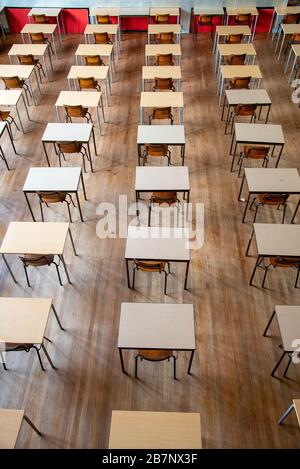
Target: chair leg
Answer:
pixel 277 364
pixel 26 274
pixel 265 276
pixel 232 163
pixel 133 278
pixel 32 425
pixel 39 357
pixel 58 274
pixel 240 166
pixel 174 362
pixel 136 366
pixel 3 158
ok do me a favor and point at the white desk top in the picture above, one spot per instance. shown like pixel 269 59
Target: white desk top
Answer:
pixel 45 11
pixel 241 11
pixel 163 99
pixel 164 28
pixel 162 178
pixel 23 49
pixel 94 49
pixel 232 71
pixel 225 30
pixel 290 28
pixel 166 134
pixel 86 71
pixel 277 239
pixel 272 180
pixel 134 11
pixel 236 49
pixel 160 71
pixel 34 238
pixel 22 71
pixel 154 49
pixel 154 430
pixel 23 320
pixel 39 28
pixel 256 96
pixel 52 179
pixel 284 10
pixel 296 49
pixel 10 424
pixel 154 243
pixel 110 11
pixel 76 98
pixel 172 11
pixel 157 326
pixel 259 133
pixel 60 132
pixel 288 318
pixel 101 28
pixel 9 97
pixel 202 10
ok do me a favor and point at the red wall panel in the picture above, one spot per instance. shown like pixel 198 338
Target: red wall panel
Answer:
pixel 134 23
pixel 75 20
pixel 17 18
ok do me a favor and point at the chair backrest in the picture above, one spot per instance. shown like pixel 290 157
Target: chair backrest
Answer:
pixel 75 111
pixel 296 38
pixel 243 18
pixel 52 197
pixel 273 199
pixel 101 38
pixel 12 82
pixel 234 38
pixel 103 19
pixel 162 113
pixel 26 59
pixel 87 83
pixel 155 355
pixel 168 198
pixel 291 18
pixel 4 115
pixel 150 266
pixel 156 150
pixel 39 19
pixel 37 38
pixel 69 147
pixel 162 19
pixel 37 260
pixel 237 59
pixel 240 83
pixel 245 109
pixel 205 20
pixel 280 261
pixel 164 59
pixel 164 84
pixel 93 60
pixel 166 38
pixel 256 152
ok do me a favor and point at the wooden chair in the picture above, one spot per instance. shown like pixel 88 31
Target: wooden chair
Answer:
pixel 71 148
pixel 239 83
pixel 242 19
pixel 14 347
pixel 151 266
pixel 237 59
pixel 102 38
pixel 270 199
pixel 168 199
pixel 161 113
pixel 39 260
pixel 103 19
pixel 5 116
pixel 163 84
pixel 156 151
pixel 155 356
pixel 295 39
pixel 162 19
pixel 253 153
pixel 40 38
pixel 291 18
pixel 234 38
pixel 93 60
pixel 30 60
pixel 39 19
pixel 13 83
pixel 164 59
pixel 205 20
pixel 88 83
pixel 243 110
pixel 48 198
pixel 165 38
pixel 284 262
pixel 77 112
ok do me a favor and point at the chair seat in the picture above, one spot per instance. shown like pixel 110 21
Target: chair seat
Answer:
pixel 52 197
pixel 155 355
pixel 4 115
pixel 150 266
pixel 9 347
pixel 37 260
pixel 164 197
pixel 284 261
pixel 272 199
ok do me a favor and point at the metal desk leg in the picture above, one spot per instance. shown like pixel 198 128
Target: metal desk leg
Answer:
pixel 258 261
pixel 286 413
pixel 122 361
pixel 254 28
pixel 186 274
pixel 58 28
pixel 54 47
pixel 102 107
pixel 278 159
pixel 268 113
pixel 9 269
pixel 19 118
pixel 72 242
pixel 79 207
pixel 29 206
pixel 246 208
pixel 46 154
pixel 249 243
pixel 295 212
pixel 106 92
pixel 83 186
pixel 65 267
pixel 278 363
pixel 94 140
pixel 11 139
pixel 191 361
pixel 57 113
pixel 183 153
pixel 48 356
pixel 30 87
pixel 57 318
pixel 241 189
pixel 127 271
pixel 90 157
pixel 269 323
pixel 37 81
pixel 98 118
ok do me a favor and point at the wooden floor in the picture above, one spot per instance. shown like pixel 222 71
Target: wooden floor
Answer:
pixel 231 385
